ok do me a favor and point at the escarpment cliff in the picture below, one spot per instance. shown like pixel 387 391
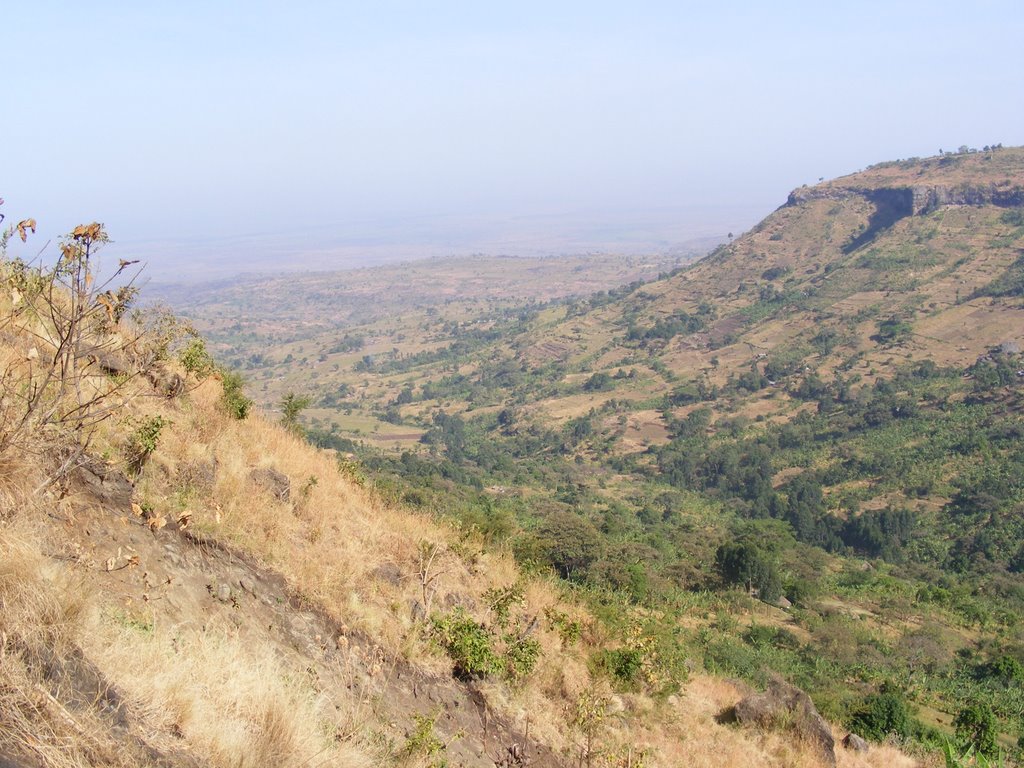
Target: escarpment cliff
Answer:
pixel 918 199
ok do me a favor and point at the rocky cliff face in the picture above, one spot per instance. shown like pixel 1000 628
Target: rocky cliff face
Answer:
pixel 928 198
pixel 917 200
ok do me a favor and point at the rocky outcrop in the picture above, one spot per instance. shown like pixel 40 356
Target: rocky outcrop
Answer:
pixel 917 200
pixel 894 203
pixel 784 706
pixel 105 484
pixel 927 198
pixel 273 481
pixel 855 743
pixel 167 383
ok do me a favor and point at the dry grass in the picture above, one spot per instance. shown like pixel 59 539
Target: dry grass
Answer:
pixel 42 616
pixel 235 704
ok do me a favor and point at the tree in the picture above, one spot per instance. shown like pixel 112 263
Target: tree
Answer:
pixel 291 406
pixel 882 714
pixel 742 563
pixel 975 726
pixel 572 543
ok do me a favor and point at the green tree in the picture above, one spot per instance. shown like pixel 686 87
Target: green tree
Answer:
pixel 291 406
pixel 233 398
pixel 742 563
pixel 572 543
pixel 881 714
pixel 976 726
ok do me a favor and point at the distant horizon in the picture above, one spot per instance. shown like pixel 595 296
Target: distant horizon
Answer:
pixel 374 243
pixel 209 139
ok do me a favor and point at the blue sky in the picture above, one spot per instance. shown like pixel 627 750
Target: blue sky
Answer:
pixel 189 124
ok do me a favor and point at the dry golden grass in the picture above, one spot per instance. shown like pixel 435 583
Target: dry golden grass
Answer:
pixel 233 703
pixel 42 616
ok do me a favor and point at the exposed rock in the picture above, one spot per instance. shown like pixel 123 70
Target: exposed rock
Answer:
pixel 916 200
pixel 782 602
pixel 453 600
pixel 270 479
pixel 616 705
pixel 928 198
pixel 10 762
pixel 167 383
pixel 112 364
pixel 515 757
pixel 855 742
pixel 786 706
pixel 389 573
pixel 224 593
pixel 109 486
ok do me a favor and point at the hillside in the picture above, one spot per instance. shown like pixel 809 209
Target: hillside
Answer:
pixel 827 410
pixel 185 583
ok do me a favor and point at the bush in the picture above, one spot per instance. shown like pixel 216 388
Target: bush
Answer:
pixel 976 727
pixel 468 643
pixel 233 398
pixel 142 442
pixel 291 406
pixel 623 665
pixel 474 648
pixel 882 714
pixel 521 656
pixel 195 359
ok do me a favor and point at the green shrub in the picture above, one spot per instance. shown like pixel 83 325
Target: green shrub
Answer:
pixel 521 656
pixel 291 406
pixel 1005 669
pixel 976 728
pixel 623 665
pixel 468 644
pixel 501 600
pixel 569 629
pixel 881 714
pixel 233 398
pixel 142 442
pixel 423 742
pixel 195 359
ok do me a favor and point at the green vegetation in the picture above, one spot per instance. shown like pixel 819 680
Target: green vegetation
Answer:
pixel 233 398
pixel 478 651
pixel 291 406
pixel 142 441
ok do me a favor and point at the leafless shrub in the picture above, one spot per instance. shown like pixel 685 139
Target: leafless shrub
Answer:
pixel 70 353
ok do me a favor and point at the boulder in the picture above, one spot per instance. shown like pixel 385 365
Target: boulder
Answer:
pixel 167 383
pixel 112 363
pixel 855 743
pixel 273 481
pixel 784 706
pixel 389 573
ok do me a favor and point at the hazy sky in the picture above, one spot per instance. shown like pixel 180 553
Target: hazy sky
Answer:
pixel 203 122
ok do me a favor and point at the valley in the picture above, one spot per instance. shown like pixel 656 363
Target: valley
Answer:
pixel 824 412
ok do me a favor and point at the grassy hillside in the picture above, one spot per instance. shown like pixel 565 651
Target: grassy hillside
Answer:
pixel 184 582
pixel 826 409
